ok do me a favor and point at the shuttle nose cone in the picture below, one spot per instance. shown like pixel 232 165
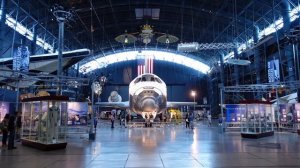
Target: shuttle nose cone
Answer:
pixel 149 105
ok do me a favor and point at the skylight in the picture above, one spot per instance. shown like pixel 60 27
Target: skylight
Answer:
pixel 277 25
pixel 133 55
pixel 20 28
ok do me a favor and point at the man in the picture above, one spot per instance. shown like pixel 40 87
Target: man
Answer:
pixel 11 129
pixel 112 118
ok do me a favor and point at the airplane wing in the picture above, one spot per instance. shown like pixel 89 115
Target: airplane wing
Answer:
pixel 45 63
pixel 48 62
pixel 113 104
pixel 176 104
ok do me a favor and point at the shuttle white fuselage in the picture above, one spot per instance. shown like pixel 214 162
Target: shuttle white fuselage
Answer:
pixel 147 94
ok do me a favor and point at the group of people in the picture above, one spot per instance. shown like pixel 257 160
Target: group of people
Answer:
pixel 10 126
pixel 149 119
pixel 190 116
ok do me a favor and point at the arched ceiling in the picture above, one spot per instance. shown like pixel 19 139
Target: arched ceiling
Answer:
pixel 97 22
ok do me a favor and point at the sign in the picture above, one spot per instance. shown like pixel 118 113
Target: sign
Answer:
pixel 21 59
pixel 77 113
pixel 273 71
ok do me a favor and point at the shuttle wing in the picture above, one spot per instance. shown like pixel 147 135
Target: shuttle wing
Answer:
pixel 113 104
pixel 176 104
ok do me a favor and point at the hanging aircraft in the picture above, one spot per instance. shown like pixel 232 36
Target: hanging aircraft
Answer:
pixel 147 95
pixel 40 67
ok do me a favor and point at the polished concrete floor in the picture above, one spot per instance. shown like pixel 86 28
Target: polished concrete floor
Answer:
pixel 172 146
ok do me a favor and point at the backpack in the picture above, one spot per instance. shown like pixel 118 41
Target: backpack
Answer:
pixel 3 127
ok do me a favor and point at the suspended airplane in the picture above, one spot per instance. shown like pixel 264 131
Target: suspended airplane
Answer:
pixel 147 95
pixel 44 64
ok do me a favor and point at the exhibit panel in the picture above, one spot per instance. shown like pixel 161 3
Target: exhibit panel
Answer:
pixel 257 120
pixel 78 117
pixel 234 116
pixel 44 122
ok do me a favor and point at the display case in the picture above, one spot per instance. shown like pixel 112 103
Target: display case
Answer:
pixel 44 122
pixel 297 117
pixel 257 119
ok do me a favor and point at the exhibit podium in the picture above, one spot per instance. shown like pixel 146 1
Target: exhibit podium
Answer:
pixel 257 119
pixel 44 122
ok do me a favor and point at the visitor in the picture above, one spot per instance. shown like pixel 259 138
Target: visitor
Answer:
pixel 209 119
pixel 187 123
pixel 11 129
pixel 112 118
pixel 4 130
pixel 191 119
pixel 151 119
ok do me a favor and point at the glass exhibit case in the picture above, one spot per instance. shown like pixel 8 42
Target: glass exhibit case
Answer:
pixel 257 120
pixel 44 122
pixel 297 117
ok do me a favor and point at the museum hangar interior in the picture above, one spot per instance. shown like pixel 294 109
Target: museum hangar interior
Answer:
pixel 169 83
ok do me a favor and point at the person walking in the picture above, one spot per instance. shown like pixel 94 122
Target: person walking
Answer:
pixel 112 118
pixel 187 123
pixel 191 119
pixel 11 129
pixel 209 119
pixel 4 129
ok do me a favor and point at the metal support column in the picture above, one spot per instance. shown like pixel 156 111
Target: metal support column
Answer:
pixel 2 24
pixel 296 63
pixel 222 69
pixel 236 68
pixel 221 106
pixel 288 48
pixel 33 42
pixel 61 24
pixel 256 60
pixel 61 16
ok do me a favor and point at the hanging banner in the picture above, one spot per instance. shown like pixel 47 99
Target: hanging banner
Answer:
pixel 21 59
pixel 273 71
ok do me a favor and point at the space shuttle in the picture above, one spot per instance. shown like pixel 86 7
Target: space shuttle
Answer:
pixel 147 95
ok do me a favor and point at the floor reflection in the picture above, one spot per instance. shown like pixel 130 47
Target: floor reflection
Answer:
pixel 147 138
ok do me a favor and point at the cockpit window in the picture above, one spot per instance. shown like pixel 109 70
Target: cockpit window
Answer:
pixel 144 79
pixel 157 80
pixel 152 79
pixel 137 80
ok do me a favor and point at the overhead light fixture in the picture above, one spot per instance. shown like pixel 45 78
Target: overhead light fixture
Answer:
pixel 167 40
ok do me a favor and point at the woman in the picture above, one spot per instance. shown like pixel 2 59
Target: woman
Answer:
pixel 187 122
pixel 4 130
